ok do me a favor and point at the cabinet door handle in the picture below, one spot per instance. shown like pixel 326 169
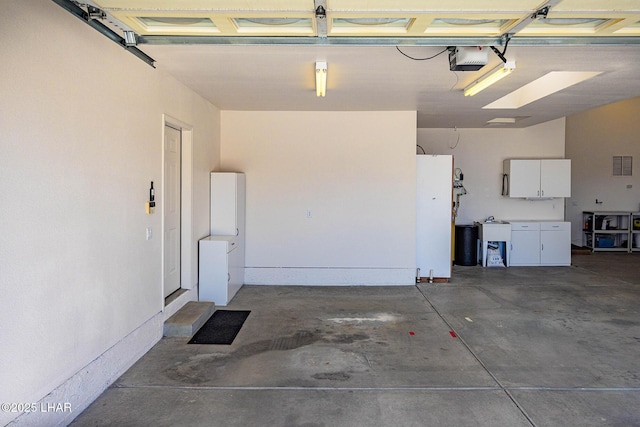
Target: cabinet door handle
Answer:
pixel 542 246
pixel 543 192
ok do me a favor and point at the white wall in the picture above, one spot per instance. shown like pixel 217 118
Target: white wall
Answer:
pixel 354 172
pixel 81 127
pixel 593 138
pixel 480 152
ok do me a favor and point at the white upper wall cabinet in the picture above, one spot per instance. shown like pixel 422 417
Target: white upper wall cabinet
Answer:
pixel 537 178
pixel 227 203
pixel 555 177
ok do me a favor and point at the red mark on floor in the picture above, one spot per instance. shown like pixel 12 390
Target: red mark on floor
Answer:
pixel 411 333
pixel 453 334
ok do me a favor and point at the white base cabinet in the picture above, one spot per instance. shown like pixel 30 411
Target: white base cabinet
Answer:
pixel 221 272
pixel 535 243
pixel 555 243
pixel 525 243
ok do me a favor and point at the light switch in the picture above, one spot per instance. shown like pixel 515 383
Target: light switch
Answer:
pixel 149 233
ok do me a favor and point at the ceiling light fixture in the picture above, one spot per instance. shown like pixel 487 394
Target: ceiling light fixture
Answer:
pixel 487 80
pixel 321 78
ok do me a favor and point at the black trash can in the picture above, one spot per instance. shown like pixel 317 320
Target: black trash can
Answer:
pixel 466 245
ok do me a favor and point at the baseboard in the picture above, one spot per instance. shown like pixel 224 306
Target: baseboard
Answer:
pixel 79 391
pixel 329 276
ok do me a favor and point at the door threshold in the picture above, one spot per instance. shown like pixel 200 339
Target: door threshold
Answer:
pixel 173 296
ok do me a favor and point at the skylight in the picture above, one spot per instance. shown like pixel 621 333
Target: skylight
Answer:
pixel 544 86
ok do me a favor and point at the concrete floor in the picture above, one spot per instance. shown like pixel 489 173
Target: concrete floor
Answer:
pixel 519 346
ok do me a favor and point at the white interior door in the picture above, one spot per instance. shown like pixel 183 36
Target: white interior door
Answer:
pixel 171 209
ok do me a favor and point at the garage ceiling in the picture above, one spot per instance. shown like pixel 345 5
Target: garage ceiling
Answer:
pixel 260 54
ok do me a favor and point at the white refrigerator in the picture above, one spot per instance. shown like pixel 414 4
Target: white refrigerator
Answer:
pixel 434 215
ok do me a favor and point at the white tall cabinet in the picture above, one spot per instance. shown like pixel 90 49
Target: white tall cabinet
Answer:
pixel 434 226
pixel 221 257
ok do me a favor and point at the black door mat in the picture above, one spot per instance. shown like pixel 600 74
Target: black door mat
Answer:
pixel 221 328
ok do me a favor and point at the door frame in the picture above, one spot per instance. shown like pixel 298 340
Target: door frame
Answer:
pixel 188 265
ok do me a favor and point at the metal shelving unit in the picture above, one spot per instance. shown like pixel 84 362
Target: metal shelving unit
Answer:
pixel 634 237
pixel 609 231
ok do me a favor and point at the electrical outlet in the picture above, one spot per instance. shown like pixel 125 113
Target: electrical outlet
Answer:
pixel 149 233
pixel 309 213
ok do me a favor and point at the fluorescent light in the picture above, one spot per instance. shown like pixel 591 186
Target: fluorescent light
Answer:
pixel 321 78
pixel 498 73
pixel 539 88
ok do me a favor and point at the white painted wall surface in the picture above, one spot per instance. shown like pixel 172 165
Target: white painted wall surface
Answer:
pixel 330 195
pixel 593 138
pixel 81 127
pixel 480 152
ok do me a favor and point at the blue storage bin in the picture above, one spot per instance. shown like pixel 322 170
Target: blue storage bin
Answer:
pixel 605 242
